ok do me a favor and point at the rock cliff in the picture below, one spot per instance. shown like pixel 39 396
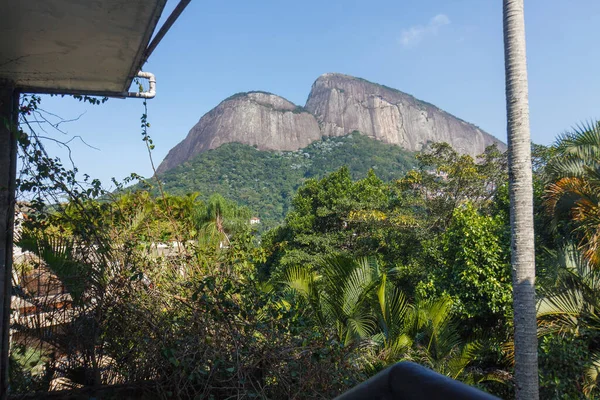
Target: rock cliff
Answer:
pixel 259 119
pixel 337 105
pixel 343 104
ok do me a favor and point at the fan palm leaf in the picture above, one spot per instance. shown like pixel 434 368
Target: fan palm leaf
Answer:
pixel 574 189
pixel 78 266
pixel 572 307
pixel 574 303
pixel 592 376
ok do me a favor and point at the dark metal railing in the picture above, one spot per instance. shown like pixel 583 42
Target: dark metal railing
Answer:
pixel 410 381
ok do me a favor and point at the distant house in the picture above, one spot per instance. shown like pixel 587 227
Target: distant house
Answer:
pixel 254 220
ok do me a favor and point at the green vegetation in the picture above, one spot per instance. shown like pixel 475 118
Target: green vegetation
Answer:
pixel 177 296
pixel 266 181
pixel 356 297
pixel 244 94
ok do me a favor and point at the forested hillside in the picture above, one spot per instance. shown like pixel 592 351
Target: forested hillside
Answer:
pixel 266 181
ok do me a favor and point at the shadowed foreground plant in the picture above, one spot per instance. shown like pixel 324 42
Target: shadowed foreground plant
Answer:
pixel 192 322
pixel 571 310
pixel 355 298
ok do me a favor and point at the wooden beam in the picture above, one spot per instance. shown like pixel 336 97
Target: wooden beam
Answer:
pixel 9 103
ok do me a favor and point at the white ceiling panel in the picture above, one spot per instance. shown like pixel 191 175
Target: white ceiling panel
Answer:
pixel 75 46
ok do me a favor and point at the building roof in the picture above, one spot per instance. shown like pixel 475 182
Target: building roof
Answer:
pixel 74 46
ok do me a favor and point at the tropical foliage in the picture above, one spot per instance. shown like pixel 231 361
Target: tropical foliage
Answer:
pixel 573 194
pixel 470 262
pixel 568 317
pixel 356 298
pixel 568 312
pixel 179 296
pixel 266 181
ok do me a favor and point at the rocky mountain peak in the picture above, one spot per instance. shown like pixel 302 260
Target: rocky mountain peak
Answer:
pixel 342 104
pixel 270 100
pixel 260 119
pixel 338 104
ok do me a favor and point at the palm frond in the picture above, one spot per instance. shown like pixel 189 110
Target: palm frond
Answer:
pixel 592 374
pixel 399 346
pixel 396 314
pixel 566 166
pixel 381 295
pixel 573 193
pixel 345 284
pixel 300 280
pixel 572 305
pixel 359 326
pixel 582 142
pixel 562 311
pixel 459 361
pixel 78 266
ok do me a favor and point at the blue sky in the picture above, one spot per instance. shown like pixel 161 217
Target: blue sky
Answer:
pixel 449 53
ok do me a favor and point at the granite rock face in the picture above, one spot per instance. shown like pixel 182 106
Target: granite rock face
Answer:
pixel 343 104
pixel 337 105
pixel 259 119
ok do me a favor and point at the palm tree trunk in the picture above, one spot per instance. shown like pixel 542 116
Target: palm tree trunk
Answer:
pixel 521 201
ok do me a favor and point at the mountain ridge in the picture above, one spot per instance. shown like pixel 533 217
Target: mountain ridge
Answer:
pixel 343 103
pixel 337 105
pixel 253 118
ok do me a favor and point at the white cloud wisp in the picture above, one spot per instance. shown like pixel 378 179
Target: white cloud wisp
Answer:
pixel 414 35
